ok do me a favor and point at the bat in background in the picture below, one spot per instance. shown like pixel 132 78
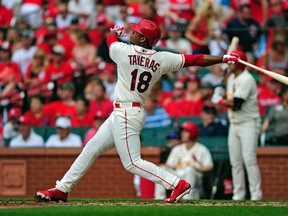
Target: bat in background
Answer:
pixel 233 45
pixel 274 75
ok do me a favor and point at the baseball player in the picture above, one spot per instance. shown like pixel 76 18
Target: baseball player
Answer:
pixel 139 67
pixel 188 160
pixel 244 117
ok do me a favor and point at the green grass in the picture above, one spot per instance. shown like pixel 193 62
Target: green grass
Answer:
pixel 136 207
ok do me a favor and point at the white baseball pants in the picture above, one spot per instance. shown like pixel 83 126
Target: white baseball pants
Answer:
pixel 120 130
pixel 242 142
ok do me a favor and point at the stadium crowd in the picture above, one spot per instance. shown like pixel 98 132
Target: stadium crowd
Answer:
pixel 54 61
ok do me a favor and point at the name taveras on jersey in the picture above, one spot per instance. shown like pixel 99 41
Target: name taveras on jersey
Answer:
pixel 144 62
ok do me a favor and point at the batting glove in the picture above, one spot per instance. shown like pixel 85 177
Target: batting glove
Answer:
pixel 231 58
pixel 119 31
pixel 216 99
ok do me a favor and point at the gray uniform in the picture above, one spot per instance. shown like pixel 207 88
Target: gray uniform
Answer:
pixel 243 135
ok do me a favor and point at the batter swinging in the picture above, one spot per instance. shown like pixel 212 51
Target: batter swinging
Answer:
pixel 139 68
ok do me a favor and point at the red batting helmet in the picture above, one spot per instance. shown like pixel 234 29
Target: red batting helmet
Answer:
pixel 192 128
pixel 149 29
pixel 242 56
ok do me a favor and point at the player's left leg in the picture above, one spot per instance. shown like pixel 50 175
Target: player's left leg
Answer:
pixel 127 126
pixel 249 140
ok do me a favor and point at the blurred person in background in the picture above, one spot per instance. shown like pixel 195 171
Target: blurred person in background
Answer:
pixel 98 120
pixel 27 137
pixel 211 126
pixel 37 116
pixel 215 75
pixel 66 106
pixel 156 117
pixel 13 37
pixel 84 53
pixel 275 124
pixel 100 102
pixel 175 42
pixel 109 78
pixel 83 117
pixel 64 137
pixel 10 75
pixel 23 57
pixel 269 96
pixel 276 57
pixel 63 17
pixel 11 128
pixel 203 25
pixel 188 160
pixel 59 70
pixel 36 70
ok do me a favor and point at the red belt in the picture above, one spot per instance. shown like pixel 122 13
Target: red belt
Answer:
pixel 133 104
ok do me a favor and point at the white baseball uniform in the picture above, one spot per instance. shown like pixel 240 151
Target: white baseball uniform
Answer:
pixel 138 70
pixel 243 135
pixel 182 162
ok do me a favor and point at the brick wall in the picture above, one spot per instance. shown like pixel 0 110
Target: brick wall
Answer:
pixel 107 178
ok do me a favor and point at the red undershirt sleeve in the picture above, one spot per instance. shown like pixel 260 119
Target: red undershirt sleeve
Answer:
pixel 111 39
pixel 193 60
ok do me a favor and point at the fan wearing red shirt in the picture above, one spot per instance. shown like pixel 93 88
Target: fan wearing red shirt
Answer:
pixel 58 69
pixel 36 115
pixel 66 106
pixel 101 102
pixel 6 16
pixel 83 117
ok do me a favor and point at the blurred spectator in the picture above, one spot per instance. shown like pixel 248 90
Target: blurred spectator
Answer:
pixel 148 11
pixel 193 96
pixel 188 161
pixel 270 96
pixel 174 139
pixel 246 28
pixel 204 22
pixel 175 105
pixel 66 106
pixel 277 23
pixel 122 21
pixel 58 70
pixel 100 102
pixel 109 77
pixel 84 53
pixel 276 57
pixel 275 123
pixel 211 126
pixel 176 42
pixel 63 18
pixel 12 4
pixel 161 95
pixel 13 37
pixel 215 77
pixel 156 117
pixel 99 119
pixel 10 128
pixel 49 26
pixel 113 8
pixel 27 137
pixel 31 12
pixel 36 70
pixel 179 11
pixel 206 91
pixel 64 138
pixel 6 15
pixel 10 74
pixel 83 117
pixel 23 57
pixel 37 116
pixel 85 10
pixel 48 42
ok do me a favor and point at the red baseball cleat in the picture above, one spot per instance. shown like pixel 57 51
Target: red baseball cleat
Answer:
pixel 179 191
pixel 52 194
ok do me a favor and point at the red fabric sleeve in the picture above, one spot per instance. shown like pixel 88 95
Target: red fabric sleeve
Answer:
pixel 111 39
pixel 193 60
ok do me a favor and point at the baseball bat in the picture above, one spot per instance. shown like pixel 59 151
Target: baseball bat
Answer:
pixel 233 45
pixel 274 75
